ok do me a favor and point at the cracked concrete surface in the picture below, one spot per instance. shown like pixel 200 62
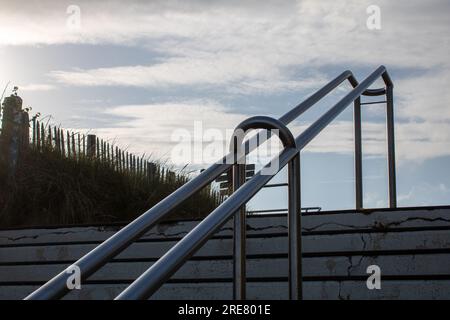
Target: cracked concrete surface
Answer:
pixel 376 221
pixel 337 247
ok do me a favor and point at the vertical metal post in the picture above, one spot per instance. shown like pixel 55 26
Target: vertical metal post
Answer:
pixel 391 147
pixel 294 230
pixel 358 154
pixel 239 235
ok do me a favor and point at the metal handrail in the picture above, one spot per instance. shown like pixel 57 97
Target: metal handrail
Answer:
pixel 151 280
pixel 240 224
pixel 166 266
pixel 282 211
pixel 103 253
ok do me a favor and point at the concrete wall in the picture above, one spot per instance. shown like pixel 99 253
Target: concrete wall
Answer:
pixel 411 246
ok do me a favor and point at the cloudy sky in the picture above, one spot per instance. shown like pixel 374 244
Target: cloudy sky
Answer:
pixel 137 72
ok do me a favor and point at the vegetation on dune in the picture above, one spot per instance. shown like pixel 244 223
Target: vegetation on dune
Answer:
pixel 52 177
pixel 49 189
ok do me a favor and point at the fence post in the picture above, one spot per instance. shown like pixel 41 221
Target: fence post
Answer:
pixel 38 135
pixel 84 145
pixel 118 160
pixel 79 147
pixel 42 135
pixel 50 142
pixel 98 148
pixel 55 134
pixel 14 138
pixel 91 145
pixel 68 144
pixel 144 164
pixel 102 150
pixel 63 146
pixel 108 154
pixel 151 171
pixel 34 132
pixel 74 151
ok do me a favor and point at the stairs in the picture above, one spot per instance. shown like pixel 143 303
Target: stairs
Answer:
pixel 410 245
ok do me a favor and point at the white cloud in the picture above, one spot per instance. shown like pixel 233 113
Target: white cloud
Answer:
pixel 212 69
pixel 257 47
pixel 36 87
pixel 150 128
pixel 415 141
pixel 247 77
pixel 425 194
pixel 281 33
pixel 249 46
pixel 424 97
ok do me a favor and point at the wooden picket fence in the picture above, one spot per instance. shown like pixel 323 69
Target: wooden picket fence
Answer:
pixel 78 146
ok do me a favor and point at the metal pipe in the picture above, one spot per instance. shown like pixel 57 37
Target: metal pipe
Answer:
pixel 95 259
pixel 294 230
pixel 373 102
pixel 147 284
pixel 282 211
pixel 239 237
pixel 391 147
pixel 239 233
pixel 275 185
pixel 358 154
pixel 374 92
pixel 150 281
pixel 261 122
pixel 313 130
pixel 317 96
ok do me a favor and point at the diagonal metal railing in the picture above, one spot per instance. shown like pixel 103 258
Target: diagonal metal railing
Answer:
pixel 159 272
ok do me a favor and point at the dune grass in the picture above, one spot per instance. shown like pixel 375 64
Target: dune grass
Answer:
pixel 48 189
